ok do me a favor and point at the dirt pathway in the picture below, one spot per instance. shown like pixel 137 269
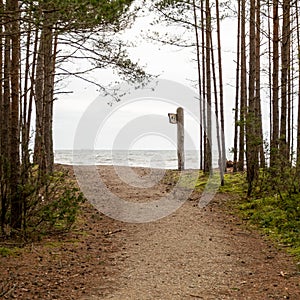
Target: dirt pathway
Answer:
pixel 198 254
pixel 190 254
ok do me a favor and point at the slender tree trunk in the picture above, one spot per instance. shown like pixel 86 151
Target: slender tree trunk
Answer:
pixel 25 121
pixel 275 85
pixel 208 158
pixel 251 138
pixel 44 87
pixel 298 120
pixel 258 116
pixel 285 53
pixel 223 155
pixel 39 154
pixel 32 80
pixel 16 203
pixel 6 95
pixel 237 89
pixel 270 74
pixel 1 90
pixel 204 104
pixel 48 98
pixel 2 126
pixel 6 118
pixel 290 121
pixel 199 82
pixel 243 99
pixel 220 161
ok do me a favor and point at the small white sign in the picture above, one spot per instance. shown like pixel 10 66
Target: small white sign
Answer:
pixel 172 118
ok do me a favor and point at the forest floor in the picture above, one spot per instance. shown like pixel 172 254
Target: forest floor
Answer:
pixel 193 253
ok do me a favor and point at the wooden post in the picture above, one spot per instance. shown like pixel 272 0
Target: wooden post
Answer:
pixel 180 138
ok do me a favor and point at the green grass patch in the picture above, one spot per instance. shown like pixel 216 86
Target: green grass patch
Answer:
pixel 6 252
pixel 234 183
pixel 53 244
pixel 201 182
pixel 278 217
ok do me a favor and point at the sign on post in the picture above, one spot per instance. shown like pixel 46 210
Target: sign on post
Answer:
pixel 172 118
pixel 178 119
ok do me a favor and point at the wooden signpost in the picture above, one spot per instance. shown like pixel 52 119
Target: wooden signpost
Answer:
pixel 178 119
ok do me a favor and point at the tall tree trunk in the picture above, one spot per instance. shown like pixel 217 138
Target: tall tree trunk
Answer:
pixel 6 120
pixel 270 74
pixel 204 104
pixel 275 84
pixel 25 122
pixel 285 53
pixel 44 87
pixel 32 80
pixel 243 99
pixel 208 158
pixel 39 152
pixel 220 161
pixel 1 84
pixel 237 89
pixel 258 116
pixel 251 138
pixel 16 203
pixel 199 82
pixel 298 120
pixel 290 109
pixel 48 97
pixel 223 155
pixel 2 126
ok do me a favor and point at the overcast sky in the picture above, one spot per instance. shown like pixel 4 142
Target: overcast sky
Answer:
pixel 172 64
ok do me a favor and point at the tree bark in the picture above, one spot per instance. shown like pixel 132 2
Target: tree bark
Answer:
pixel 208 158
pixel 285 53
pixel 16 203
pixel 44 88
pixel 270 74
pixel 275 90
pixel 204 104
pixel 199 83
pixel 298 120
pixel 237 89
pixel 223 158
pixel 243 99
pixel 251 138
pixel 258 116
pixel 219 144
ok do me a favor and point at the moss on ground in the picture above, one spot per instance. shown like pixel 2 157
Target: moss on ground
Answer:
pixel 7 251
pixel 276 216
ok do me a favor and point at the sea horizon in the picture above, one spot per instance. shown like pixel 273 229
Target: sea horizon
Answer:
pixel 162 159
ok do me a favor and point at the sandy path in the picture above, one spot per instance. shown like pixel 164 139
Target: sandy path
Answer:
pixel 190 254
pixel 197 254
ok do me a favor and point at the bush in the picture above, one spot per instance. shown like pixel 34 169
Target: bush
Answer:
pixel 49 204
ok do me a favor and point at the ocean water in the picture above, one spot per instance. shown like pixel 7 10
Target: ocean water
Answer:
pixel 163 159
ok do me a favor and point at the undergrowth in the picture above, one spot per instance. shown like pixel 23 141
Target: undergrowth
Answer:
pixel 234 183
pixel 7 252
pixel 274 207
pixel 51 206
pixel 277 217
